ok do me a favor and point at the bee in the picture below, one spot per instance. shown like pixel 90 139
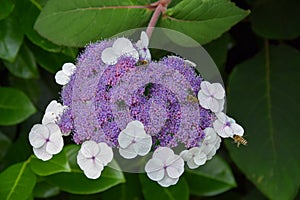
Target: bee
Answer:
pixel 239 140
pixel 192 98
pixel 142 62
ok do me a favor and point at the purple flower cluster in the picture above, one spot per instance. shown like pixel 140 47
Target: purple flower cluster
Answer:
pixel 103 99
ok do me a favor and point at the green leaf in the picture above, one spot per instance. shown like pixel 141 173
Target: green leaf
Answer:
pixel 14 106
pixel 276 19
pixel 77 183
pixel 201 19
pixel 77 22
pixel 24 65
pixel 45 190
pixel 6 7
pixel 213 178
pixel 264 97
pixel 11 37
pixel 152 190
pixel 58 163
pixel 17 182
pixel 4 145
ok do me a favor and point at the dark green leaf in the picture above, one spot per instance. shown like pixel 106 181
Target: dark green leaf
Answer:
pixel 152 190
pixel 45 190
pixel 17 182
pixel 77 22
pixel 24 65
pixel 264 97
pixel 11 37
pixel 276 19
pixel 6 7
pixel 58 163
pixel 14 106
pixel 210 179
pixel 203 20
pixel 4 145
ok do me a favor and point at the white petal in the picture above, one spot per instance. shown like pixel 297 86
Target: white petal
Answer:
pixel 176 168
pixel 222 117
pixel 191 164
pixel 41 153
pixel 143 145
pixel 203 99
pixel 82 161
pixel 125 139
pixel 68 69
pixel 185 155
pixel 56 142
pixel 167 181
pixel 189 63
pixel 105 154
pixel 49 117
pixel 122 45
pixel 228 132
pixel 210 134
pixel 144 39
pixel 154 169
pixel 109 56
pixel 163 154
pixel 38 135
pixel 128 152
pixel 206 88
pixel 219 128
pixel 200 159
pixel 213 104
pixel 218 91
pixel 61 78
pixel 94 169
pixel 89 148
pixel 237 129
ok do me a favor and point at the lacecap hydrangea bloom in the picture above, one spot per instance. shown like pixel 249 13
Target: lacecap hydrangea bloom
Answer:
pixel 116 97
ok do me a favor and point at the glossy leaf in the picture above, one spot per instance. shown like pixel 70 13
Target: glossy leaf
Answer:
pixel 58 163
pixel 264 97
pixel 17 182
pixel 6 7
pixel 76 22
pixel 203 20
pixel 276 19
pixel 213 178
pixel 77 183
pixel 24 65
pixel 45 190
pixel 14 106
pixel 152 190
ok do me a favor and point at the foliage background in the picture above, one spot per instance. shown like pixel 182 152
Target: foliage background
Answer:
pixel 257 54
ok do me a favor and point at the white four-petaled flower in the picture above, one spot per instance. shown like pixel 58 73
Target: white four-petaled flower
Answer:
pixel 211 143
pixel 165 167
pixel 46 140
pixel 53 112
pixel 62 77
pixel 194 157
pixel 121 47
pixel 142 46
pixel 211 96
pixel 134 141
pixel 93 157
pixel 226 126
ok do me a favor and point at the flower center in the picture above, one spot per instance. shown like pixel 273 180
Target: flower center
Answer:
pixel 227 124
pixel 47 140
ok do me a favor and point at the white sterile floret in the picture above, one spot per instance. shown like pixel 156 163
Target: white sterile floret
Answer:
pixel 142 46
pixel 211 142
pixel 53 112
pixel 63 76
pixel 165 167
pixel 46 140
pixel 226 126
pixel 194 157
pixel 93 157
pixel 121 47
pixel 211 96
pixel 134 141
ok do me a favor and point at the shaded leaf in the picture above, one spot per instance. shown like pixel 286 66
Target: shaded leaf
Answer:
pixel 45 190
pixel 76 22
pixel 213 178
pixel 276 19
pixel 58 163
pixel 152 190
pixel 14 106
pixel 4 145
pixel 264 97
pixel 6 7
pixel 24 65
pixel 202 20
pixel 17 182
